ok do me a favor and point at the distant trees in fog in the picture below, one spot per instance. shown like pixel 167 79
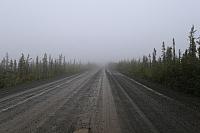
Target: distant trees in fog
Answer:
pixel 13 72
pixel 178 71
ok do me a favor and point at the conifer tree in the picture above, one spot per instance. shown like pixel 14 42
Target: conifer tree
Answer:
pixel 192 47
pixel 7 62
pixel 21 67
pixel 149 60
pixel 179 56
pixel 169 55
pixel 174 51
pixel 15 66
pixel 11 65
pixel 45 68
pixel 198 49
pixel 163 52
pixel 154 56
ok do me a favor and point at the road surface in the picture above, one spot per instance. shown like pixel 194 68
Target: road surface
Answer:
pixel 101 101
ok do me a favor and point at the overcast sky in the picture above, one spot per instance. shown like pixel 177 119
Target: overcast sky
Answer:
pixel 94 30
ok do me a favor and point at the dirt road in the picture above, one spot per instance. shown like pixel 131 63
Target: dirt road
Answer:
pixel 99 100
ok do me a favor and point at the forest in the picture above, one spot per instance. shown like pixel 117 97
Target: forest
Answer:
pixel 179 71
pixel 27 69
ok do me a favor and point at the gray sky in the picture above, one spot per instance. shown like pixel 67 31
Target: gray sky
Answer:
pixel 94 30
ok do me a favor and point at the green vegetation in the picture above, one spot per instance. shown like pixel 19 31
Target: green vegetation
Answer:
pixel 26 69
pixel 176 71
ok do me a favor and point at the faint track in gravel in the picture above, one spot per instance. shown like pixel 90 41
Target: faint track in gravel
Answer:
pixel 28 116
pixel 166 115
pixel 14 100
pixel 111 121
pixel 138 120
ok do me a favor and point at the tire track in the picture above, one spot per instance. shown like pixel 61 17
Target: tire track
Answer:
pixel 134 120
pixel 27 117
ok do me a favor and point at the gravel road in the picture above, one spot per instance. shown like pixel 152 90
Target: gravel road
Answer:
pixel 143 110
pixel 99 100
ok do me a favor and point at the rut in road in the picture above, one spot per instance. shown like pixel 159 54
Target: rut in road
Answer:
pixel 16 99
pixel 25 118
pixel 141 110
pixel 77 112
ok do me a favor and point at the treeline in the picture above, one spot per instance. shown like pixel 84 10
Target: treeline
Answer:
pixel 180 71
pixel 13 72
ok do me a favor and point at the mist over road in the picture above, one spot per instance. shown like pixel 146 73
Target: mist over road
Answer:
pixel 100 100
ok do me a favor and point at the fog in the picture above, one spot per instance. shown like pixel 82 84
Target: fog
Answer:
pixel 94 30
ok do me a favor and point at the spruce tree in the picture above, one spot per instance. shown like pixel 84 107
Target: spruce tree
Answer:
pixel 198 49
pixel 174 51
pixel 15 66
pixel 45 68
pixel 192 46
pixel 163 52
pixel 21 67
pixel 169 55
pixel 154 56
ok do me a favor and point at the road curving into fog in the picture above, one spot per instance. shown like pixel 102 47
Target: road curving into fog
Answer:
pixel 101 101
